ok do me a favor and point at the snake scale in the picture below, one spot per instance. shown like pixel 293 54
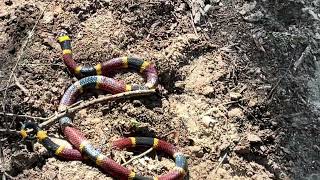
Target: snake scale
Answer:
pixel 96 77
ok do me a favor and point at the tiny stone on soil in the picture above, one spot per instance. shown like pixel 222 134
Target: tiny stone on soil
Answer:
pixel 8 2
pixel 95 120
pixel 136 103
pixel 196 18
pixel 252 102
pixel 179 84
pixel 208 8
pixel 253 138
pixel 242 149
pixel 255 17
pixel 48 18
pixel 208 121
pixel 196 150
pixel 235 113
pixel 235 96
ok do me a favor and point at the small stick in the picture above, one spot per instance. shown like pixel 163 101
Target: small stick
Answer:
pixel 24 116
pixel 193 26
pixel 139 156
pixel 8 131
pixel 303 56
pixel 78 106
pixel 99 100
pixel 222 159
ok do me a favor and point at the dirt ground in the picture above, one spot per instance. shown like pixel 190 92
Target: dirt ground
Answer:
pixel 237 80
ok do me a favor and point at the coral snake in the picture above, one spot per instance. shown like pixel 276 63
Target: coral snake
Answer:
pixel 95 77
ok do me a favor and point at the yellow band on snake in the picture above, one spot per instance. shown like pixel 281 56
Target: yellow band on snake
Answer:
pixel 144 65
pixel 133 141
pixel 41 135
pixel 63 38
pixel 59 150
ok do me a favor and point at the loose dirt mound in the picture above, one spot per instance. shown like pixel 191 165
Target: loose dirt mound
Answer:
pixel 233 77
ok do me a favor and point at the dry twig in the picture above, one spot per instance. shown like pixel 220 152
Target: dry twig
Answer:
pixel 79 105
pixel 8 131
pixel 99 100
pixel 139 156
pixel 303 56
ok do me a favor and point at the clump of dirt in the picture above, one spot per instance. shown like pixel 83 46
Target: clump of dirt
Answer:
pixel 236 78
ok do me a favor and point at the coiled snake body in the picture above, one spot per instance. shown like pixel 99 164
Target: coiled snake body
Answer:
pixel 95 77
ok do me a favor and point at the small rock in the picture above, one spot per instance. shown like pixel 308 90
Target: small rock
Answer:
pixel 247 7
pixel 49 41
pixel 197 150
pixel 95 120
pixel 207 9
pixel 214 1
pixel 242 149
pixel 197 17
pixel 255 17
pixel 48 17
pixel 192 126
pixel 208 121
pixel 252 102
pixel 54 89
pixel 235 113
pixel 263 148
pixel 182 7
pixel 253 138
pixel 286 150
pixel 136 103
pixel 235 96
pixel 83 113
pixel 4 15
pixel 180 84
pixel 57 10
pixel 208 90
pixel 8 2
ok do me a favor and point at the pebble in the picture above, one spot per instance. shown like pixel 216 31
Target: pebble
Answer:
pixel 8 2
pixel 197 17
pixel 95 120
pixel 4 15
pixel 179 84
pixel 253 138
pixel 207 9
pixel 234 96
pixel 208 90
pixel 192 126
pixel 83 113
pixel 247 7
pixel 48 17
pixel 242 149
pixel 252 102
pixel 51 43
pixel 255 17
pixel 235 113
pixel 196 150
pixel 136 103
pixel 263 148
pixel 214 1
pixel 208 121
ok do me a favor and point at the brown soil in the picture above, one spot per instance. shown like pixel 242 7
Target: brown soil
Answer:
pixel 231 90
